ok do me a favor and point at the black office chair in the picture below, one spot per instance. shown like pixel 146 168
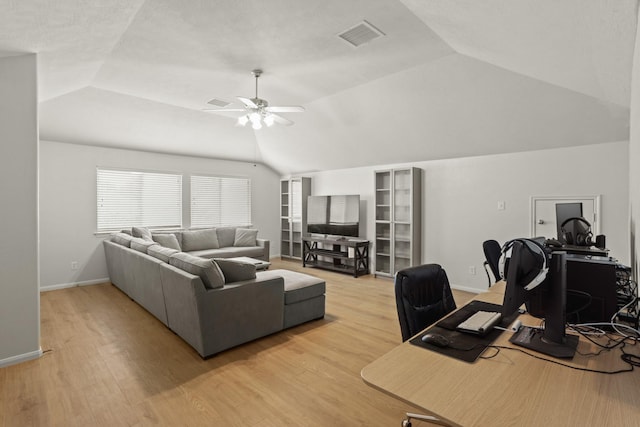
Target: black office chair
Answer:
pixel 423 296
pixel 492 252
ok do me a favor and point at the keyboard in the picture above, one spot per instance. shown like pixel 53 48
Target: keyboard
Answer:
pixel 480 323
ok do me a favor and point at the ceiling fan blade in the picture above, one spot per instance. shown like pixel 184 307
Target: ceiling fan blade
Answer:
pixel 285 109
pixel 246 101
pixel 281 120
pixel 224 110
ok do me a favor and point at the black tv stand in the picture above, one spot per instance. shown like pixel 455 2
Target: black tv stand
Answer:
pixel 344 255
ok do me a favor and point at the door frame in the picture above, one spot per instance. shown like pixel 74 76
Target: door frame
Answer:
pixel 595 225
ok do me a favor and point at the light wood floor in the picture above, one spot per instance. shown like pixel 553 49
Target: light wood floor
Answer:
pixel 110 363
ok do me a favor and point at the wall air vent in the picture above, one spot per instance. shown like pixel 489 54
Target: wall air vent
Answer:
pixel 218 103
pixel 360 34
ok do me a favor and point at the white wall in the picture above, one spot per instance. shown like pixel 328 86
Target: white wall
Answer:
pixel 634 158
pixel 19 297
pixel 68 203
pixel 460 198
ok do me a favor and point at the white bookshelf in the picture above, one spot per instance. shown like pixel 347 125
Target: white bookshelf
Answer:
pixel 398 216
pixel 293 215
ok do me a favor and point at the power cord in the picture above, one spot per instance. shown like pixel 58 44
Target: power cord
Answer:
pixel 635 360
pixel 631 359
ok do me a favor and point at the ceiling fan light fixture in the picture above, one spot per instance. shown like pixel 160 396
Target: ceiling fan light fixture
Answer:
pixel 254 117
pixel 243 120
pixel 269 120
pixel 256 125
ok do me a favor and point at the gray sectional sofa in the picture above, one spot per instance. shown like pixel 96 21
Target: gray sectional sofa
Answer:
pixel 212 303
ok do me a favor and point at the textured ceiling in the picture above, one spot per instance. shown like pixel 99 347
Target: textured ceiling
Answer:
pixel 581 45
pixel 450 78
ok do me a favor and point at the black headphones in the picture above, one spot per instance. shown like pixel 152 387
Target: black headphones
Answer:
pixel 535 248
pixel 582 238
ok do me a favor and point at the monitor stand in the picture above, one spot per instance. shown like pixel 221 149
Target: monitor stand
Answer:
pixel 552 340
pixel 533 339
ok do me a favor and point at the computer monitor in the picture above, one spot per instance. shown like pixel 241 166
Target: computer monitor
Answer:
pixel 525 262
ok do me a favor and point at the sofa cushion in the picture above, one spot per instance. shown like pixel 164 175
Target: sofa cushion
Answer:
pixel 245 237
pixel 122 239
pixel 141 245
pixel 297 286
pixel 199 239
pixel 231 252
pixel 160 252
pixel 167 240
pixel 235 271
pixel 207 269
pixel 177 234
pixel 142 232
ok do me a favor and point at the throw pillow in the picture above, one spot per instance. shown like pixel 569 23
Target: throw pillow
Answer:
pixel 245 237
pixel 207 269
pixel 226 236
pixel 141 232
pixel 122 239
pixel 198 240
pixel 160 252
pixel 235 271
pixel 167 240
pixel 140 244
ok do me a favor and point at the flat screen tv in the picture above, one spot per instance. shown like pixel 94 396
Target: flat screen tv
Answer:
pixel 334 215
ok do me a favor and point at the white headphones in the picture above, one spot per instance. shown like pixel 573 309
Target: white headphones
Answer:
pixel 534 247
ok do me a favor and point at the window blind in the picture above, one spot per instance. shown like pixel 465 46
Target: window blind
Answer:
pixel 220 201
pixel 141 199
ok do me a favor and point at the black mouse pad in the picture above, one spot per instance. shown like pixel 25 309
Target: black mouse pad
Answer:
pixel 464 346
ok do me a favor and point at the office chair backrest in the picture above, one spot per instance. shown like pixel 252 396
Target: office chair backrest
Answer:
pixel 492 251
pixel 423 296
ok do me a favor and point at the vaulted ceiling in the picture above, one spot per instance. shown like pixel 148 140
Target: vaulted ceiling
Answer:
pixel 449 78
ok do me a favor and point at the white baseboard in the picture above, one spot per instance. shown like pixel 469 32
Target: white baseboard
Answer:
pixel 468 289
pixel 21 358
pixel 73 284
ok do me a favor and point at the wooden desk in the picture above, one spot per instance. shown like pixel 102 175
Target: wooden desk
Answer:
pixel 512 389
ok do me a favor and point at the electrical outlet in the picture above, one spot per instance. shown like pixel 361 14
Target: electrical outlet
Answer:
pixel 74 265
pixel 472 270
pixel 501 205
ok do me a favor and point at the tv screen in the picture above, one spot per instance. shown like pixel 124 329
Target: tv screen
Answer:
pixel 334 215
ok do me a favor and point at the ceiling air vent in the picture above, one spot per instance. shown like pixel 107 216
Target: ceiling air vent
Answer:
pixel 218 103
pixel 362 33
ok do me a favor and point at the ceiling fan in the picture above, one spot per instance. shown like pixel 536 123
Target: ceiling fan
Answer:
pixel 257 110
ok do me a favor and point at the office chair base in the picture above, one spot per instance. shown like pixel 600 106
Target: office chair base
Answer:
pixel 407 421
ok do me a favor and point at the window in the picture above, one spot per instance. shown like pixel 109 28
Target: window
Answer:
pixel 141 199
pixel 220 201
